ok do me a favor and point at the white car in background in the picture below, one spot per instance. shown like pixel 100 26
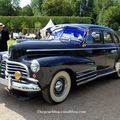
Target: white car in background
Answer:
pixel 16 35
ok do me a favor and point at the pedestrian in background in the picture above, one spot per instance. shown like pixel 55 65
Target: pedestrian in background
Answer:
pixel 38 35
pixel 4 37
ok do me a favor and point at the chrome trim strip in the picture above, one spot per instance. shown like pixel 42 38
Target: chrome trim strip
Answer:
pixel 106 74
pixel 86 78
pixel 30 87
pixel 93 69
pixel 32 80
pixel 79 83
pixel 85 74
pixel 18 67
pixel 72 49
pixel 25 87
pixel 14 69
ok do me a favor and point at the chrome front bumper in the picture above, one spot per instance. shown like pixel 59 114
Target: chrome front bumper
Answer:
pixel 8 68
pixel 30 87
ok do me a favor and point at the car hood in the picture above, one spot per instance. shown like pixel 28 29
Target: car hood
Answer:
pixel 40 47
pixel 45 44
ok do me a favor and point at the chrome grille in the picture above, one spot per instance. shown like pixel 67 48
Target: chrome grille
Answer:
pixel 11 67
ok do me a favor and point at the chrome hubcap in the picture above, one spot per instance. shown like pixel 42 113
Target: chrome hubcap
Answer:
pixel 59 86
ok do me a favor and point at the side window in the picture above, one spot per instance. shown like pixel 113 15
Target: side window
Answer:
pixel 96 36
pixel 116 39
pixel 108 37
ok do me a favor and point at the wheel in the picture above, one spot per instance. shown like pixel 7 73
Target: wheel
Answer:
pixel 117 68
pixel 58 89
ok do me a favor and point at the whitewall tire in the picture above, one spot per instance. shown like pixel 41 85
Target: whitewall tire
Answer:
pixel 59 88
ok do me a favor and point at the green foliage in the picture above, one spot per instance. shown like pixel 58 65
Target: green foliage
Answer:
pixel 26 11
pixel 56 8
pixel 74 6
pixel 9 7
pixel 6 8
pixel 110 17
pixel 16 3
pixel 38 26
pixel 25 27
pixel 36 6
pixel 26 23
pixel 86 7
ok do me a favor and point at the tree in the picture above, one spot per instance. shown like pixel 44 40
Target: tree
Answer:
pixel 25 28
pixel 101 5
pixel 6 8
pixel 16 3
pixel 16 6
pixel 36 6
pixel 86 7
pixel 9 7
pixel 75 7
pixel 38 26
pixel 26 11
pixel 56 8
pixel 110 17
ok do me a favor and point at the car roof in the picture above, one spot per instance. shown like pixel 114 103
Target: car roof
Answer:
pixel 84 26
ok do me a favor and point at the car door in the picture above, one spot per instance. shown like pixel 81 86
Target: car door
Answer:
pixel 111 47
pixel 95 41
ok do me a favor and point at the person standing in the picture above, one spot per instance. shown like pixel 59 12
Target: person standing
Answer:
pixel 4 37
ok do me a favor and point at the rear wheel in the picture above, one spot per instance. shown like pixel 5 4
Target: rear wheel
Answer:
pixel 59 88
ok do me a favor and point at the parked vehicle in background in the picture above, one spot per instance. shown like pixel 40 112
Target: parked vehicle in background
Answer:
pixel 73 54
pixel 15 35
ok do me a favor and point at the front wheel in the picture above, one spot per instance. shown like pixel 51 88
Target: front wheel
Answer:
pixel 59 88
pixel 117 68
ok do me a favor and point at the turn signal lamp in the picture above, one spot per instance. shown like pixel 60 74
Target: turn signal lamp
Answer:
pixel 17 75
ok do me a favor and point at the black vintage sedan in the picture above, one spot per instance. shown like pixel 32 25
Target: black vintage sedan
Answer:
pixel 73 54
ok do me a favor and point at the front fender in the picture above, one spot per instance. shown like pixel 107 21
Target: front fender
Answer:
pixel 63 60
pixel 51 65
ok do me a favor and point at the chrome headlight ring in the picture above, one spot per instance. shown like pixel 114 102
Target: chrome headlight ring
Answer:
pixel 5 56
pixel 35 66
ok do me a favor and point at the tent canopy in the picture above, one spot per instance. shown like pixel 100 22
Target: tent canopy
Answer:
pixel 49 25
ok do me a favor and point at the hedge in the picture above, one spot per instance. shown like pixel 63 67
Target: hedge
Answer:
pixel 31 23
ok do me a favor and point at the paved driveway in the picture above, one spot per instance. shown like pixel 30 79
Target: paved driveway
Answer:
pixel 97 100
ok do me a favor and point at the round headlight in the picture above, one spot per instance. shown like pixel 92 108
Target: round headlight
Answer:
pixel 35 66
pixel 5 56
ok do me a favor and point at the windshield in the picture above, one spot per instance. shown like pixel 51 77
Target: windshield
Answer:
pixel 67 33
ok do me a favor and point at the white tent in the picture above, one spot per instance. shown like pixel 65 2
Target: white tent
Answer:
pixel 50 24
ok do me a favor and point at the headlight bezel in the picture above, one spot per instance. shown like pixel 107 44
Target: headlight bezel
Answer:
pixel 5 56
pixel 34 66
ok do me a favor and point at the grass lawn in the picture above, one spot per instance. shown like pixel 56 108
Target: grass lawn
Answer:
pixel 10 42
